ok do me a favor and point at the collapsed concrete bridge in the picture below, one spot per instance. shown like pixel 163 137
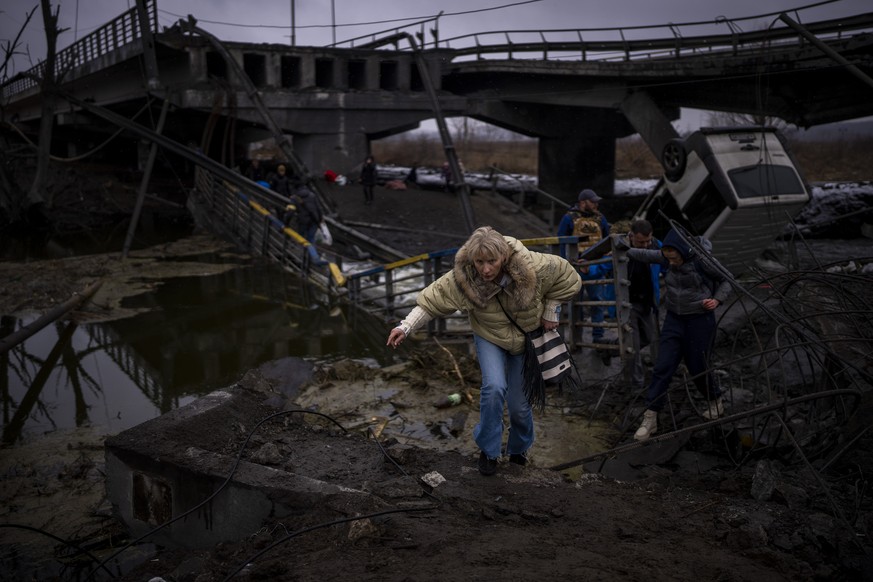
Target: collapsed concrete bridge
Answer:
pixel 577 96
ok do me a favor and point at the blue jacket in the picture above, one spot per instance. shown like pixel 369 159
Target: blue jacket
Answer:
pixel 604 270
pixel 565 227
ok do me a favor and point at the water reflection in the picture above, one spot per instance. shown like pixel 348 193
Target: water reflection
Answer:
pixel 200 333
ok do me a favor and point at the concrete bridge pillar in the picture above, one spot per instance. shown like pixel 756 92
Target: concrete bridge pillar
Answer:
pixel 576 144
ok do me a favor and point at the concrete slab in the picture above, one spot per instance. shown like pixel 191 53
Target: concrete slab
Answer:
pixel 185 469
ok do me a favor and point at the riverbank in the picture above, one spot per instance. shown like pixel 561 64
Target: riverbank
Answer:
pixel 768 517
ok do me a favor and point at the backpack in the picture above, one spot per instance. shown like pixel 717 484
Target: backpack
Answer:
pixel 587 227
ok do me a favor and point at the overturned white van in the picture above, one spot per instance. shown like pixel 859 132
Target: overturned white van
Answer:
pixel 736 186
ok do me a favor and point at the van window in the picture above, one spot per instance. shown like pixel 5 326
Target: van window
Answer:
pixel 704 207
pixel 765 180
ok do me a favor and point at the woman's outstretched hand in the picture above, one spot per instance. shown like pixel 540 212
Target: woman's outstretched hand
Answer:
pixel 396 337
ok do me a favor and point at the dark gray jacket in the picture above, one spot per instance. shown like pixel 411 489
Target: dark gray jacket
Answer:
pixel 688 285
pixel 308 212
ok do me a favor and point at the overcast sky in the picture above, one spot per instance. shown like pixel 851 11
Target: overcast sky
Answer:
pixel 318 22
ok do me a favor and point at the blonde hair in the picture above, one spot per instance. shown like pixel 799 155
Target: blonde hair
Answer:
pixel 487 243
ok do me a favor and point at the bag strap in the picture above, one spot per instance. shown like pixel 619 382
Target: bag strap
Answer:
pixel 509 317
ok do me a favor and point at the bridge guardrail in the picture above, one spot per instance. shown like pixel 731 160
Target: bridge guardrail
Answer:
pixel 118 32
pixel 389 290
pixel 611 44
pixel 245 218
pixel 624 43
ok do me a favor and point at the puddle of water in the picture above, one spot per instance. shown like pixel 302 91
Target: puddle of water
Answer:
pixel 200 333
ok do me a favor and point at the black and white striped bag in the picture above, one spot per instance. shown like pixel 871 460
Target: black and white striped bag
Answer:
pixel 552 354
pixel 546 361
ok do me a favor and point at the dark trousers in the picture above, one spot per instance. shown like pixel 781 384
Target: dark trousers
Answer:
pixel 368 193
pixel 644 326
pixel 689 338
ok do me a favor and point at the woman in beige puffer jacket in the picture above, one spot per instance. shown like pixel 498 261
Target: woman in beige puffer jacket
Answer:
pixel 491 270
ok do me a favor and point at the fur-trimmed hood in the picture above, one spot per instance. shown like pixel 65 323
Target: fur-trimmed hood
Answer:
pixel 519 266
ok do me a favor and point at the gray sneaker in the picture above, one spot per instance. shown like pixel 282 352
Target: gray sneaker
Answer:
pixel 648 427
pixel 714 409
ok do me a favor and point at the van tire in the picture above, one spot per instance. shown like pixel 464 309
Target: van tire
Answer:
pixel 674 158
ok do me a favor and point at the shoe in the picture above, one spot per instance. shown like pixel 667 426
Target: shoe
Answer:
pixel 648 427
pixel 487 466
pixel 518 459
pixel 714 410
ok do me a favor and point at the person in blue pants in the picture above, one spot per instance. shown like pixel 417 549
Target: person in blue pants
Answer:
pixel 585 221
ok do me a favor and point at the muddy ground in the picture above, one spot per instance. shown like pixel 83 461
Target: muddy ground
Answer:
pixel 682 510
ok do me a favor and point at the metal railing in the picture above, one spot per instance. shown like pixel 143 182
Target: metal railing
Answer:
pixel 418 29
pixel 613 44
pixel 119 32
pixel 245 216
pixel 672 40
pixel 390 290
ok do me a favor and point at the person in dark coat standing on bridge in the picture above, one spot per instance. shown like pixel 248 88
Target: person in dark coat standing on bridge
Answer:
pixel 309 215
pixel 281 184
pixel 368 179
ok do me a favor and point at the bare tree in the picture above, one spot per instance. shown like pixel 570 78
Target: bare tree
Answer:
pixel 35 197
pixel 10 48
pixel 10 195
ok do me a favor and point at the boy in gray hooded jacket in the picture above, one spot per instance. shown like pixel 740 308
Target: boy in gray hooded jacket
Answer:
pixel 693 291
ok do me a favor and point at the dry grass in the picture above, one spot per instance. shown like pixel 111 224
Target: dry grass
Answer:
pixel 819 161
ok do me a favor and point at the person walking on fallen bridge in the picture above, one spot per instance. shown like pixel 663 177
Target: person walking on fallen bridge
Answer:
pixel 693 291
pixel 493 273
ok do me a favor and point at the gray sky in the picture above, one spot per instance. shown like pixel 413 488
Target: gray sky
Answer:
pixel 318 22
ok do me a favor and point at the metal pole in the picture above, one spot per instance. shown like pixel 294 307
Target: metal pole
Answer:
pixel 445 136
pixel 333 20
pixel 826 49
pixel 147 174
pixel 293 27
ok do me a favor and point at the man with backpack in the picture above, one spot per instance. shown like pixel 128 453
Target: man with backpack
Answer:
pixel 308 212
pixel 694 289
pixel 585 221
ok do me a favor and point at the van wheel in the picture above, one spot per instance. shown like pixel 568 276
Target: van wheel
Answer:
pixel 673 158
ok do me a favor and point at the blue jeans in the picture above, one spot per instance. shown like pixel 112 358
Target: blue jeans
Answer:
pixel 502 382
pixel 689 338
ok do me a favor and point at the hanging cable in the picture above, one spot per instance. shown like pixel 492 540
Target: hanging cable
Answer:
pixel 87 154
